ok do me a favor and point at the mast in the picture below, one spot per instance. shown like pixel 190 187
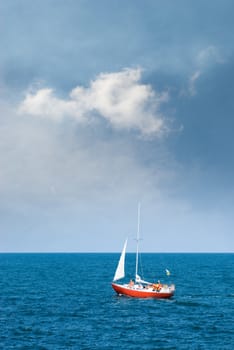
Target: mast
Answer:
pixel 137 239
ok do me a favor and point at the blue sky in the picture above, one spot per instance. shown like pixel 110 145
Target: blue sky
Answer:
pixel 107 103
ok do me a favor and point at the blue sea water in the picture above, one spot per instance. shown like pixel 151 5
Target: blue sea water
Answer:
pixel 65 301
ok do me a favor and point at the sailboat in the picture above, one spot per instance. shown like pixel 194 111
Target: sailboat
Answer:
pixel 139 288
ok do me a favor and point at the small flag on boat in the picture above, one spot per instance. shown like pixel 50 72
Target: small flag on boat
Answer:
pixel 168 272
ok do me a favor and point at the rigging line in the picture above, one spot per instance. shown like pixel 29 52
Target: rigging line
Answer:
pixel 138 237
pixel 141 265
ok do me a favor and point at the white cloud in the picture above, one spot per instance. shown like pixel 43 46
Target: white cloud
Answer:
pixel 192 81
pixel 209 56
pixel 40 160
pixel 119 98
pixel 203 61
pixel 44 103
pixel 190 89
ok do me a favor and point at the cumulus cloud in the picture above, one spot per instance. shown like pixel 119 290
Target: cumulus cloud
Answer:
pixel 44 103
pixel 42 163
pixel 118 98
pixel 52 180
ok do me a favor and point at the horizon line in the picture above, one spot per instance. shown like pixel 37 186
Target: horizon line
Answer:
pixel 114 252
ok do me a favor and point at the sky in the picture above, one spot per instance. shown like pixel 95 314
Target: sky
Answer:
pixel 105 104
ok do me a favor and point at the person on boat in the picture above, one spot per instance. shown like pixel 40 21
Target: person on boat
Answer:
pixel 131 283
pixel 157 286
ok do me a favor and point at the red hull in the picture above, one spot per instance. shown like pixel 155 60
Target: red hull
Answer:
pixel 141 293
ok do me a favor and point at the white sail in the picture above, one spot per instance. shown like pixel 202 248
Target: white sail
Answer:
pixel 120 273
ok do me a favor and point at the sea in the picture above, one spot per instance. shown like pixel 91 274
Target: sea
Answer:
pixel 65 301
